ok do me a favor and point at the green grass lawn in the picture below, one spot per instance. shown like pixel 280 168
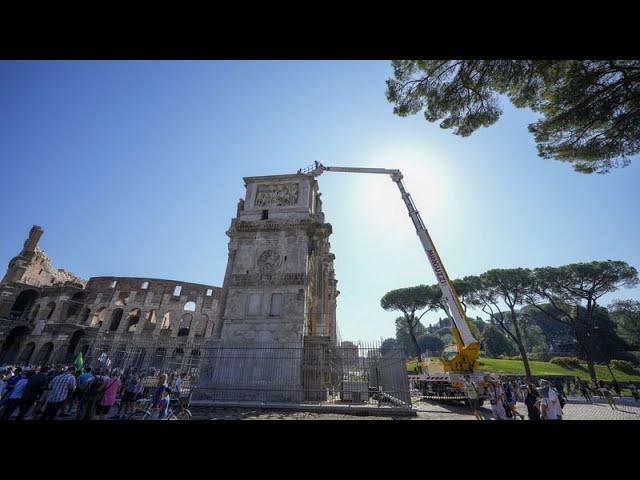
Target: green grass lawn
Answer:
pixel 545 368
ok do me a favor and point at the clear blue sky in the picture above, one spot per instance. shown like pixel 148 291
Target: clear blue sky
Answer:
pixel 135 168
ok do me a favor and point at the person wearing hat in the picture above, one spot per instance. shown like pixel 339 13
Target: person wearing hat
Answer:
pixel 550 408
pixel 496 398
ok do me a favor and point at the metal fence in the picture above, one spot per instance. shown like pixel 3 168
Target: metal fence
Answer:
pixel 167 356
pixel 316 372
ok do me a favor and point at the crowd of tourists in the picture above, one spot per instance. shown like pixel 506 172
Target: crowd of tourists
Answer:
pixel 543 402
pixel 48 392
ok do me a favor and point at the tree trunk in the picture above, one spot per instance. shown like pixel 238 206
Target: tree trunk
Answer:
pixel 520 344
pixel 589 342
pixel 414 340
pixel 592 369
pixel 525 361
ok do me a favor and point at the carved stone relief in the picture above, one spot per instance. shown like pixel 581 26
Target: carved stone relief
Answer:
pixel 281 194
pixel 268 262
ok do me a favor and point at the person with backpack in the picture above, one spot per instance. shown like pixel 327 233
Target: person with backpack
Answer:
pixel 93 388
pixel 82 381
pixel 132 387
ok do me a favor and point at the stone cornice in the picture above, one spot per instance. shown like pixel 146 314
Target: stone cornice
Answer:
pixel 259 279
pixel 268 226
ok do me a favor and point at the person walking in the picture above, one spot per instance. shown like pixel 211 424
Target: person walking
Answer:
pixel 531 400
pixel 157 396
pixel 59 389
pixel 473 397
pixel 496 399
pixel 550 408
pixel 604 389
pixel 162 409
pixel 108 398
pixel 584 389
pixel 33 391
pixel 131 389
pixel 15 396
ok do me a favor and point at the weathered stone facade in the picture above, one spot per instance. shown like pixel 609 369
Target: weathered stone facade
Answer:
pixel 279 291
pixel 280 283
pixel 48 316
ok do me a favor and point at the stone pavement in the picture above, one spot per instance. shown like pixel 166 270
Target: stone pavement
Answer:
pixel 576 409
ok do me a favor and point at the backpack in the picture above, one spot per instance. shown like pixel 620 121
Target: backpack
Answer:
pixel 96 386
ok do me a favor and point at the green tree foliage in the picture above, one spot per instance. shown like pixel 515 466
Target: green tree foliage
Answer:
pixel 626 315
pixel 409 301
pixel 494 343
pixel 553 331
pixel 430 343
pixel 479 325
pixel 608 343
pixel 506 287
pixel 403 337
pixel 466 289
pixel 388 345
pixel 589 110
pixel 532 335
pixel 439 328
pixel 573 291
pixel 447 339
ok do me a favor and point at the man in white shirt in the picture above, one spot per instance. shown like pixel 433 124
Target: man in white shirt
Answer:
pixel 550 408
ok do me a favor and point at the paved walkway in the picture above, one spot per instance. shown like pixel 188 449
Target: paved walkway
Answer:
pixel 576 409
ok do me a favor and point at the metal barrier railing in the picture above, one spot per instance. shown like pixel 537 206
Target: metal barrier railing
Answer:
pixel 317 372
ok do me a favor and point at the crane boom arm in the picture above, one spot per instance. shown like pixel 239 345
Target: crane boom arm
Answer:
pixel 464 337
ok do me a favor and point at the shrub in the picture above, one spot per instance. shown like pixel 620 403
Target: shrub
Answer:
pixel 624 366
pixel 566 362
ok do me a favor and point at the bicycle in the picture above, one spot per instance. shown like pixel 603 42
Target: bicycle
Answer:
pixel 183 412
pixel 143 410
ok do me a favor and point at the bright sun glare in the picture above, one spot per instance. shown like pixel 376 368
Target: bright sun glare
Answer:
pixel 424 179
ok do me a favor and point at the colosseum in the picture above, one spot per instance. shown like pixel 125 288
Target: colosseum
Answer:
pixel 48 315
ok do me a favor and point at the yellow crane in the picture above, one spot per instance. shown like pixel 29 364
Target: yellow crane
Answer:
pixel 444 378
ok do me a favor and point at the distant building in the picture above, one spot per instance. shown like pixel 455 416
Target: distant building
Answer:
pixel 349 353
